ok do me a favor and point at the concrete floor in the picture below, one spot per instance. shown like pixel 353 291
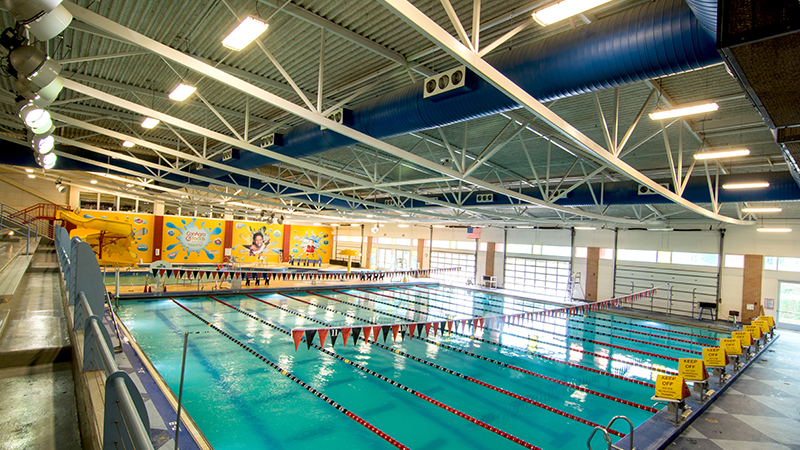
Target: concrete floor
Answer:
pixel 37 393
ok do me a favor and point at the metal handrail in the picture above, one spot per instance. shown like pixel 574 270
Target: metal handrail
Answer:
pixel 607 436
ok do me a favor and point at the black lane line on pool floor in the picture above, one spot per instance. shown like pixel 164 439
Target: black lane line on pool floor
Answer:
pixel 394 383
pixel 664 370
pixel 464 352
pixel 292 377
pixel 569 317
pixel 684 333
pixel 431 364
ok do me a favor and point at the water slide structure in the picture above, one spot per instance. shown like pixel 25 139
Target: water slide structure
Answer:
pixel 110 239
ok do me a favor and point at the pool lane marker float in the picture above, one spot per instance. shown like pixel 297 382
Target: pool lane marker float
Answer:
pixel 452 372
pixel 305 385
pixel 394 383
pixel 657 328
pixel 445 346
pixel 490 326
pixel 444 369
pixel 566 319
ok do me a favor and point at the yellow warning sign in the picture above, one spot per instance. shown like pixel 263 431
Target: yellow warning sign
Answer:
pixel 744 337
pixel 692 369
pixel 769 319
pixel 715 357
pixel 671 387
pixel 753 330
pixel 732 346
pixel 763 324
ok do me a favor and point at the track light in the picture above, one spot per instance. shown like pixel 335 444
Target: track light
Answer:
pixel 46 161
pixel 43 143
pixel 60 187
pixel 281 220
pixel 45 18
pixel 35 117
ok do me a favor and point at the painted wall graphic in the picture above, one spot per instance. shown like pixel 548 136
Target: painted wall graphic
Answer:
pixel 310 243
pixel 192 240
pixel 125 237
pixel 257 242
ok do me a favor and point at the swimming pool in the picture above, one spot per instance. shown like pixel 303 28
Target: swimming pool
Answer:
pixel 525 386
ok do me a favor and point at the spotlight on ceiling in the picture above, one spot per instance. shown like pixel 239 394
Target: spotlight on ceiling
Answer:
pixel 281 220
pixel 36 118
pixel 45 18
pixel 46 161
pixel 42 143
pixel 60 187
pixel 375 229
pixel 246 32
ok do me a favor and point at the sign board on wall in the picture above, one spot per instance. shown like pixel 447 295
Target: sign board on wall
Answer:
pixel 257 242
pixel 769 303
pixel 193 240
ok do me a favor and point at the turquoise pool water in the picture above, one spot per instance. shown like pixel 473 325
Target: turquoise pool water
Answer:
pixel 240 402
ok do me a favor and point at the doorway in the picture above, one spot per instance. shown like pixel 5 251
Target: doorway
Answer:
pixel 788 305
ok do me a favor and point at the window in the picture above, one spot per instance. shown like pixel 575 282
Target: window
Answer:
pixel 524 249
pixel 734 261
pixel 538 276
pixel 607 253
pixel 770 263
pixel 664 257
pixel 441 244
pixel 789 264
pixel 695 259
pixel 465 245
pixel 650 256
pixel 441 260
pixel 384 241
pixel 556 250
pixel 483 246
pixel 402 241
pixel 581 252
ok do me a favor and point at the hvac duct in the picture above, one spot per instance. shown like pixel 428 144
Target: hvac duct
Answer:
pixel 653 40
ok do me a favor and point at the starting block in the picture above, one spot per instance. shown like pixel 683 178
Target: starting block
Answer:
pixel 716 359
pixel 695 370
pixel 673 391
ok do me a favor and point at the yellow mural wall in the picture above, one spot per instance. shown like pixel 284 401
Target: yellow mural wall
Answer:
pixel 310 243
pixel 140 248
pixel 257 242
pixel 192 240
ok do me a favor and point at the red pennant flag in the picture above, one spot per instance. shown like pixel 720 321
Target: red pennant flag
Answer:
pixel 449 326
pixel 475 323
pixel 162 272
pixel 345 335
pixel 297 335
pixel 435 328
pixel 323 334
pixel 395 329
pixel 376 331
pixel 428 329
pixel 411 328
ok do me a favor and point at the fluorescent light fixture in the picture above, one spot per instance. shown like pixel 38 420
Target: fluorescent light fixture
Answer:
pixel 660 229
pixel 585 228
pixel 182 92
pixel 722 154
pixel 754 185
pixel 149 122
pixel 30 175
pixel 370 216
pixel 128 144
pixel 334 224
pixel 403 225
pixel 563 9
pixel 763 209
pixel 685 111
pixel 355 224
pixel 29 170
pixel 246 32
pixel 774 230
pixel 316 224
pixel 440 226
pixel 93 181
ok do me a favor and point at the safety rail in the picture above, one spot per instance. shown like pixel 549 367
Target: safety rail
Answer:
pixel 19 221
pixel 43 210
pixel 125 420
pixel 607 436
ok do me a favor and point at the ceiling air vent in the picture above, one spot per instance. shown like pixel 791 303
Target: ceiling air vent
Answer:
pixel 342 116
pixel 448 84
pixel 272 140
pixel 484 198
pixel 644 190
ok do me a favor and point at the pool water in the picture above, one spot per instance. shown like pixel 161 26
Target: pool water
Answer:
pixel 240 402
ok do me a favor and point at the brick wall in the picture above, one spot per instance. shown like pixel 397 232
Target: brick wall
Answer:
pixel 592 267
pixel 751 286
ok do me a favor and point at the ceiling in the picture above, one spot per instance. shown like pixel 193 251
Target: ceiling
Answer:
pixel 355 51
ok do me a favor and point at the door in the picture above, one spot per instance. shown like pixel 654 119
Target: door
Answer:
pixel 788 305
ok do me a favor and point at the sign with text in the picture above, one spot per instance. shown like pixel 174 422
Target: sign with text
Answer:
pixel 753 330
pixel 744 337
pixel 692 369
pixel 763 324
pixel 732 346
pixel 769 303
pixel 715 357
pixel 769 319
pixel 671 387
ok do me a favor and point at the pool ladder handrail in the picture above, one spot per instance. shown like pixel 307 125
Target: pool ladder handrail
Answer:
pixel 607 437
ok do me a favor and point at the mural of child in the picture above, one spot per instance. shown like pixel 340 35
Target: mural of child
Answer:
pixel 259 244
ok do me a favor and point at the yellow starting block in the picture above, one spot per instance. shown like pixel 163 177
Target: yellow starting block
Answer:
pixel 716 359
pixel 694 370
pixel 673 391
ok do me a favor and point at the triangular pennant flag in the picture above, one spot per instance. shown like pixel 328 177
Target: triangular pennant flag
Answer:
pixel 323 334
pixel 345 335
pixel 334 335
pixel 376 330
pixel 296 336
pixel 356 334
pixel 155 271
pixel 474 324
pixel 310 337
pixel 435 328
pixel 385 330
pixel 175 273
pixel 395 329
pixel 419 330
pixel 481 321
pixel 182 273
pixel 162 272
pixel 428 329
pixel 411 328
pixel 449 326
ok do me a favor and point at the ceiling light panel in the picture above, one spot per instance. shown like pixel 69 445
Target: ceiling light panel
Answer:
pixel 248 31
